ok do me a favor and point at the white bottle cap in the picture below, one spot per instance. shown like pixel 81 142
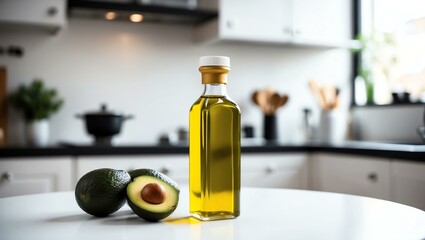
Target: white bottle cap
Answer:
pixel 214 61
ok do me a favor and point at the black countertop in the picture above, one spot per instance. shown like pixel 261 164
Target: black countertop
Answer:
pixel 412 152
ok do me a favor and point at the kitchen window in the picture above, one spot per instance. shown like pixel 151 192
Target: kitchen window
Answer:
pixel 391 63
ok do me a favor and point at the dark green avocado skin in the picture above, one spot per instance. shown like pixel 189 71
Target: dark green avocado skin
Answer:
pixel 147 215
pixel 102 191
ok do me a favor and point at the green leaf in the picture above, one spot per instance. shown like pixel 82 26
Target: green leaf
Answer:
pixel 35 101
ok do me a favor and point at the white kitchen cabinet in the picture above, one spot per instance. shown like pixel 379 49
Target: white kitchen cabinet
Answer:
pixel 174 166
pixel 408 183
pixel 254 20
pixel 357 175
pixel 275 170
pixel 49 14
pixel 319 23
pixel 258 170
pixel 21 176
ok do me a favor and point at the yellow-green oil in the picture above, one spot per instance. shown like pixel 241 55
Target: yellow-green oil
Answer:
pixel 214 155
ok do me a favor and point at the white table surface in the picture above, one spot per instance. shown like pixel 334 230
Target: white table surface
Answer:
pixel 265 214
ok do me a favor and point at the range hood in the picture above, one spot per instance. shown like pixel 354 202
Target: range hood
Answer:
pixel 152 12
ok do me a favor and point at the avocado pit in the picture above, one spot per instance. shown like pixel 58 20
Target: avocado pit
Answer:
pixel 153 193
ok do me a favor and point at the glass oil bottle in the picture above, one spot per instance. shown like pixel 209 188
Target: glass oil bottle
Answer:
pixel 214 146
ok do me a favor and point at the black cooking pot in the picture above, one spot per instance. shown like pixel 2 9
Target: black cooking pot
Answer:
pixel 103 124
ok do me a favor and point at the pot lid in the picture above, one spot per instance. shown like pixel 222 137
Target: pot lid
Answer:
pixel 103 111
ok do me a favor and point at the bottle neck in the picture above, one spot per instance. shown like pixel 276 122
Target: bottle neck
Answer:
pixel 214 74
pixel 215 90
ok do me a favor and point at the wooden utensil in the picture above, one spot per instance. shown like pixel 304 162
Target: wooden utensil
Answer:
pixel 337 98
pixel 268 100
pixel 318 93
pixel 328 96
pixel 268 93
pixel 255 98
pixel 283 100
pixel 275 102
pixel 332 99
pixel 278 101
pixel 263 101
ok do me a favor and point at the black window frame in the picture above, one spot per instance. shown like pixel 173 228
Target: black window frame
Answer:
pixel 356 60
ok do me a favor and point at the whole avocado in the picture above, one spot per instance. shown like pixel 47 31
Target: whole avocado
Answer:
pixel 102 191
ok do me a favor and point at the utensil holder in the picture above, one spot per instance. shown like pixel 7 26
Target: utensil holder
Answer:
pixel 332 126
pixel 270 127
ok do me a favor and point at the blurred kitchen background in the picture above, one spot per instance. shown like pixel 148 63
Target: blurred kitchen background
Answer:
pixel 93 54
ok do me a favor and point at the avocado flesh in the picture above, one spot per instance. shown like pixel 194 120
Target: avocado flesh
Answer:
pixel 148 211
pixel 150 172
pixel 102 191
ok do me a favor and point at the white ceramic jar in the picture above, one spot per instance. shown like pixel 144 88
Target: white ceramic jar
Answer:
pixel 332 126
pixel 37 133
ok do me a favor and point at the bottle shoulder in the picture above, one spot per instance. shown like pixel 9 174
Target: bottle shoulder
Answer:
pixel 210 102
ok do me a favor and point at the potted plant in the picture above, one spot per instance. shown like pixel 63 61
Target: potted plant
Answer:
pixel 37 103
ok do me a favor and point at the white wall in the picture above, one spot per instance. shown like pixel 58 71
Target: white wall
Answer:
pixel 150 70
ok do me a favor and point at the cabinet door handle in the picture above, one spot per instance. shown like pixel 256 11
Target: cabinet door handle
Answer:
pixel 52 11
pixel 231 23
pixel 373 177
pixel 287 30
pixel 270 169
pixel 8 176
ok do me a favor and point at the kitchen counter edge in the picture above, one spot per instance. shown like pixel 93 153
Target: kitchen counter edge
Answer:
pixel 393 151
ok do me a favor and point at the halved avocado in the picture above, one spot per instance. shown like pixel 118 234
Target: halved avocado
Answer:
pixel 152 195
pixel 102 191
